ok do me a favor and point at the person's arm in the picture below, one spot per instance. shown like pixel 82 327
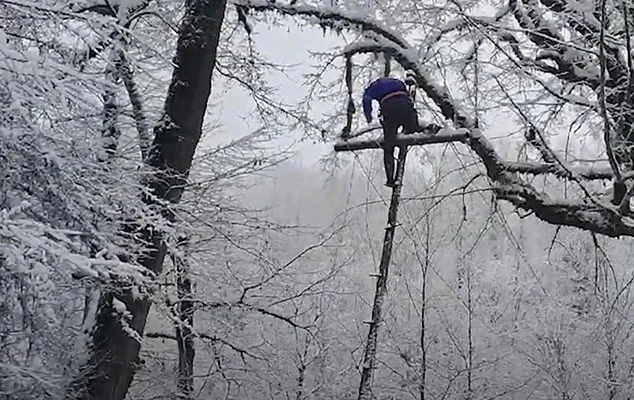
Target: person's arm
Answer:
pixel 367 107
pixel 367 104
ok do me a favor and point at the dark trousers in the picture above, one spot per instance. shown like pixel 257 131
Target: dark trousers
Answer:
pixel 397 111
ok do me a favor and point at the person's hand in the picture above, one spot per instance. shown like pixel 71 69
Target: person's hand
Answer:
pixel 368 119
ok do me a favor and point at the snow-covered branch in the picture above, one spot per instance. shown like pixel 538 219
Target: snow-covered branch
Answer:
pixel 204 336
pixel 127 76
pixel 570 67
pixel 407 59
pixel 18 234
pixel 327 17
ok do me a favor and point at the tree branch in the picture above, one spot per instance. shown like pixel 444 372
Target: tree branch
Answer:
pixel 327 18
pixel 595 217
pixel 602 100
pixel 143 130
pixel 215 339
pixel 541 34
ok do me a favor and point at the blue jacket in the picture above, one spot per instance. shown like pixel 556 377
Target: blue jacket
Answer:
pixel 377 90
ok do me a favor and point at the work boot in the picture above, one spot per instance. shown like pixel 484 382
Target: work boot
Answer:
pixel 390 184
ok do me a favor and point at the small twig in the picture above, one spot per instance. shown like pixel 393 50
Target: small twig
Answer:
pixel 153 13
pixel 552 242
pixel 215 339
pixel 281 318
pixel 287 264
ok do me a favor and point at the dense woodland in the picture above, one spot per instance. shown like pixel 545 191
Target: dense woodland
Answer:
pixel 174 222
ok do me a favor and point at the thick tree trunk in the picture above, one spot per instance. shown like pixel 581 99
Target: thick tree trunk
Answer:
pixel 369 355
pixel 116 340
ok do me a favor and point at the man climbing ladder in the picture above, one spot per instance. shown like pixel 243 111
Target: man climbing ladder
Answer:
pixel 396 110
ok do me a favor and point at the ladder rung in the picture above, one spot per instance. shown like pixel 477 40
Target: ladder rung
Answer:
pixel 376 275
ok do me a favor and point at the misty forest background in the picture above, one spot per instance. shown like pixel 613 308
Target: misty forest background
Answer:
pixel 161 238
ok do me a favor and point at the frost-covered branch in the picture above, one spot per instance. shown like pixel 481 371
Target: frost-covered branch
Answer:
pixel 327 17
pixel 121 70
pixel 205 336
pixel 555 48
pixel 143 130
pixel 449 136
pixel 18 233
pixel 112 8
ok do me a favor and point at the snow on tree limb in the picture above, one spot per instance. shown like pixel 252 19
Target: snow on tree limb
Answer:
pixel 553 47
pixel 138 114
pixel 18 233
pixel 329 17
pixel 407 59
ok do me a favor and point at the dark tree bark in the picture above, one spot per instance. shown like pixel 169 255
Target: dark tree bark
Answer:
pixel 116 338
